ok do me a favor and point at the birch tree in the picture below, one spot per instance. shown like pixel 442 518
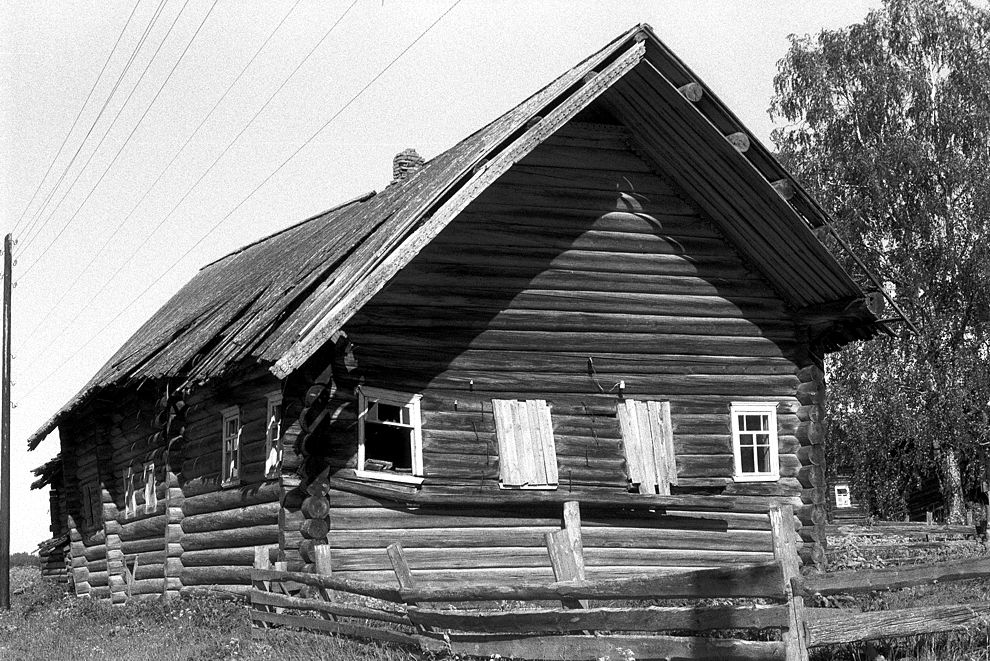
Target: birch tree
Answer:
pixel 887 122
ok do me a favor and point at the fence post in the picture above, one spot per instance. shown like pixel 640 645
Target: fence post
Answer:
pixel 261 561
pixel 795 638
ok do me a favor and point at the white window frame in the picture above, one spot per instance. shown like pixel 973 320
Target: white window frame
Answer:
pixel 150 491
pixel 737 409
pixel 230 475
pixel 273 434
pixel 130 492
pixel 393 398
pixel 847 498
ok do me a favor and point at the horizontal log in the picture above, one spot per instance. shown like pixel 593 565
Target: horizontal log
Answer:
pixel 758 580
pixel 227 556
pixel 829 626
pixel 265 598
pixel 556 620
pixel 362 588
pixel 375 517
pixel 230 499
pixel 340 628
pixel 889 579
pixel 234 537
pixel 528 499
pixel 597 647
pixel 238 517
pixel 146 528
pixel 216 575
pixel 594 537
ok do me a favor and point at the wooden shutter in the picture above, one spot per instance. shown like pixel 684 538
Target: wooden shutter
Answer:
pixel 648 440
pixel 527 454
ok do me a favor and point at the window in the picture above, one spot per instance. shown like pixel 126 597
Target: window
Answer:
pixel 130 492
pixel 842 497
pixel 273 434
pixel 648 443
pixel 390 441
pixel 230 468
pixel 527 456
pixel 754 441
pixel 150 494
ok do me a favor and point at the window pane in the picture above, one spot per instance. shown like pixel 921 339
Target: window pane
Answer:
pixel 388 444
pixel 762 439
pixel 763 458
pixel 754 422
pixel 747 440
pixel 748 465
pixel 390 413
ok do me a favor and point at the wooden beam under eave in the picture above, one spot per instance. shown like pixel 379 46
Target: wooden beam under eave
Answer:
pixel 739 140
pixel 692 92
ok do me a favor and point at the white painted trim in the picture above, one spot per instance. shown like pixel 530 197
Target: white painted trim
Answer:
pixel 395 398
pixel 763 408
pixel 385 476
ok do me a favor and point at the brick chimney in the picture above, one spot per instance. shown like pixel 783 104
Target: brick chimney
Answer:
pixel 405 164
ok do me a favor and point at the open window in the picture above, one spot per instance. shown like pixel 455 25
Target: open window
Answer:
pixel 648 443
pixel 754 441
pixel 230 466
pixel 273 435
pixel 390 439
pixel 527 456
pixel 150 493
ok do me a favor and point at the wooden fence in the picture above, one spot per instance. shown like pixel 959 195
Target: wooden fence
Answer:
pixel 409 614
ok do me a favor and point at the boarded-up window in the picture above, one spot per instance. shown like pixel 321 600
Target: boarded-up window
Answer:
pixel 526 451
pixel 648 440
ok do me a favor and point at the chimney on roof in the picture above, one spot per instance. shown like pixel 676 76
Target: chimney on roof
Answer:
pixel 405 164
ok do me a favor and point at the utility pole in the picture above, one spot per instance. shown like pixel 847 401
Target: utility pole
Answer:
pixel 8 267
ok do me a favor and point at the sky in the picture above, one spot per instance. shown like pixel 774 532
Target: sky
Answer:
pixel 151 192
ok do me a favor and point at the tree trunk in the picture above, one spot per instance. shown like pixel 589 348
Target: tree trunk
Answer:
pixel 952 492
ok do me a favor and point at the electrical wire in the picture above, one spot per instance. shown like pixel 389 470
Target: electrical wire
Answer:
pixel 65 140
pixel 188 192
pixel 239 204
pixel 130 60
pixel 161 174
pixel 129 135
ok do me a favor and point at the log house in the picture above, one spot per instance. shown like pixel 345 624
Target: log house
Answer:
pixel 612 294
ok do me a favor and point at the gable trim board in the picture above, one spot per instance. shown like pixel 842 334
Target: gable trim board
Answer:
pixel 256 304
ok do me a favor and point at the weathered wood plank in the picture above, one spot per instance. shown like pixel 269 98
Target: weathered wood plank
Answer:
pixel 890 579
pixel 394 616
pixel 759 580
pixel 329 582
pixel 829 626
pixel 356 630
pixel 556 620
pixel 575 648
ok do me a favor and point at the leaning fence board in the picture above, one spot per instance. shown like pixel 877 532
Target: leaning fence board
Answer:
pixel 830 626
pixel 329 582
pixel 890 579
pixel 575 648
pixel 558 620
pixel 263 598
pixel 757 580
pixel 356 630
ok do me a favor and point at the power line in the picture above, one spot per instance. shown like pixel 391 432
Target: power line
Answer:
pixel 239 204
pixel 162 173
pixel 127 140
pixel 161 222
pixel 37 215
pixel 76 120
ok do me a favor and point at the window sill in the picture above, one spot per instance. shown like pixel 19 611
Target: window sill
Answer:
pixel 756 478
pixel 384 476
pixel 528 487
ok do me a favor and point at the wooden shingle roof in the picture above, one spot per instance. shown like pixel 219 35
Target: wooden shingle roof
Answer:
pixel 280 299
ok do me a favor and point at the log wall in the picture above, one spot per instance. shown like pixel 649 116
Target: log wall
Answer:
pixel 580 269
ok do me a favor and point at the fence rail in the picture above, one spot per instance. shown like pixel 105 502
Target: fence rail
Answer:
pixel 407 615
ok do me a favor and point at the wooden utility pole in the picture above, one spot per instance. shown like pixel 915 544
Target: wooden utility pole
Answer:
pixel 8 265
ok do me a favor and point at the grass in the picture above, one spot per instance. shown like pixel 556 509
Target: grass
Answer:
pixel 45 623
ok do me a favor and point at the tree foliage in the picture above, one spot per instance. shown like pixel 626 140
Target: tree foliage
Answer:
pixel 888 123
